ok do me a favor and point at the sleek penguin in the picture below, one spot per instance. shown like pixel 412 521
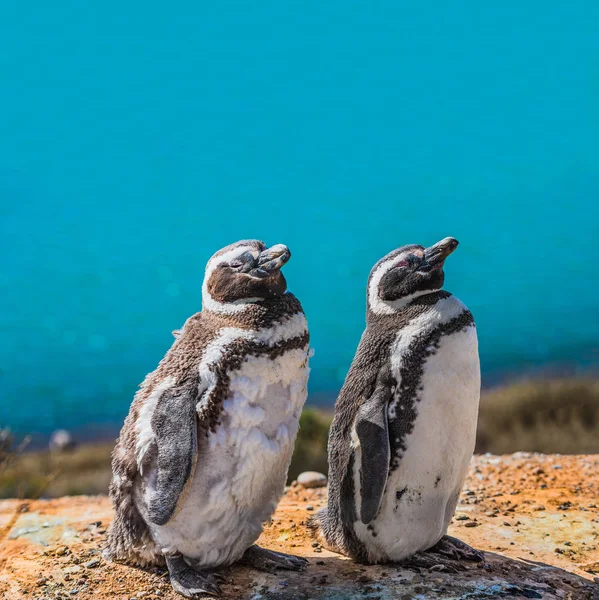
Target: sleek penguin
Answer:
pixel 405 420
pixel 202 458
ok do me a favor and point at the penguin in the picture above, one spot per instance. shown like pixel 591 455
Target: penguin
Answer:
pixel 201 461
pixel 405 419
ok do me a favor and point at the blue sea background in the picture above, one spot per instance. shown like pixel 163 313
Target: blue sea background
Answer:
pixel 137 138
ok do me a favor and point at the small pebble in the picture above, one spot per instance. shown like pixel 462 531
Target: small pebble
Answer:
pixel 94 562
pixel 73 569
pixel 309 507
pixel 471 524
pixel 462 518
pixel 312 479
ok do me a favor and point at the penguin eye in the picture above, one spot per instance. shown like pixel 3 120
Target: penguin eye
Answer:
pixel 402 264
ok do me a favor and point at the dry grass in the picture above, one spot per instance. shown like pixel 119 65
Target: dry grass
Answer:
pixel 552 416
pixel 310 452
pixel 86 469
pixel 5 448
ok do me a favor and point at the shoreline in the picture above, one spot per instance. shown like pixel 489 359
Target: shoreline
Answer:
pixel 548 416
pixel 493 381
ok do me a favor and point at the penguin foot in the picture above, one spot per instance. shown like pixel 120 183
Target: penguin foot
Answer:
pixel 196 566
pixel 190 582
pixel 432 563
pixel 270 561
pixel 456 549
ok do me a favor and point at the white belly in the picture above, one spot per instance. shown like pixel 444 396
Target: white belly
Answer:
pixel 422 493
pixel 242 466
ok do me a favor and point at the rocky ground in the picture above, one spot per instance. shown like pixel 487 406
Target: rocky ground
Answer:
pixel 535 516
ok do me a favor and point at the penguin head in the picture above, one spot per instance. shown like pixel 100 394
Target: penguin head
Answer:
pixel 244 272
pixel 406 273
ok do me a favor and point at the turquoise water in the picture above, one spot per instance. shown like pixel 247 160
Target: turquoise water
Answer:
pixel 138 139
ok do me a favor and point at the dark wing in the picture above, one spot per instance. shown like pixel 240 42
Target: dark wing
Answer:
pixel 175 427
pixel 373 433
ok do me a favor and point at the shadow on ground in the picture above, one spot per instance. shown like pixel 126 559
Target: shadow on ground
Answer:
pixel 336 578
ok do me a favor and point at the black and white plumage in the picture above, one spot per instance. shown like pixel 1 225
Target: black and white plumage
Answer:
pixel 202 459
pixel 405 420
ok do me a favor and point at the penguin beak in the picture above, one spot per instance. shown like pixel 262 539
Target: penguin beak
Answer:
pixel 435 255
pixel 273 258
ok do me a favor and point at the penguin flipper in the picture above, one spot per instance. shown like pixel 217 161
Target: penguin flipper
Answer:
pixel 176 437
pixel 373 433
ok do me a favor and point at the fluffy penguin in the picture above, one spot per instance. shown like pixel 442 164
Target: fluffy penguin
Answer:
pixel 202 458
pixel 405 420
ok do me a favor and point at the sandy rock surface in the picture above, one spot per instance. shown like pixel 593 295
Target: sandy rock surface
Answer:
pixel 535 516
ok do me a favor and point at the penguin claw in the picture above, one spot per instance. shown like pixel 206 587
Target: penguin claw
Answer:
pixel 189 582
pixel 456 549
pixel 193 591
pixel 432 563
pixel 270 561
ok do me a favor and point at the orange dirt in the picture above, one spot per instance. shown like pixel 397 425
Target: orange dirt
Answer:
pixel 535 516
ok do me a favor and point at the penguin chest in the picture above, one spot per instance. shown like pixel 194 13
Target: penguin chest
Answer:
pixel 429 464
pixel 259 425
pixel 242 466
